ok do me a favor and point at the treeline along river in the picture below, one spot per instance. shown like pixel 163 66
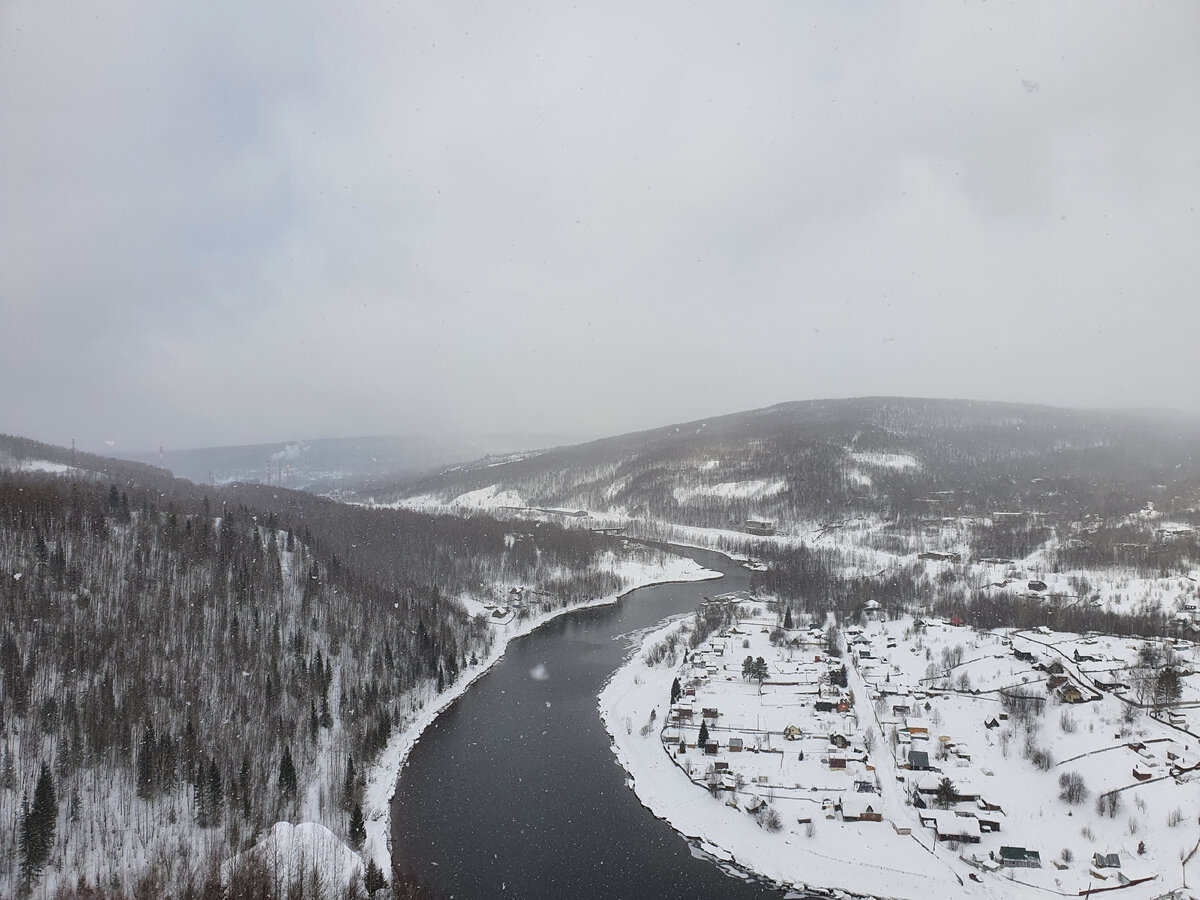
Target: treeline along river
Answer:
pixel 514 790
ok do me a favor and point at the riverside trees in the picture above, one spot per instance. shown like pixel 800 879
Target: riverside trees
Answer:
pixel 162 649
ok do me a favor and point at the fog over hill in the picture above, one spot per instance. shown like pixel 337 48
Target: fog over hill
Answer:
pixel 891 457
pixel 332 464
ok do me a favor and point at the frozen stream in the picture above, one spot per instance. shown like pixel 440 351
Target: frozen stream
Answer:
pixel 514 791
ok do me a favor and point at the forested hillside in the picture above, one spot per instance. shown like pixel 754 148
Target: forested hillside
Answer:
pixel 900 460
pixel 185 666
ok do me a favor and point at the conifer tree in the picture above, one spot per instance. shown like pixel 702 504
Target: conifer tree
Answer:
pixel 287 775
pixel 373 880
pixel 37 826
pixel 348 783
pixel 215 793
pixel 358 827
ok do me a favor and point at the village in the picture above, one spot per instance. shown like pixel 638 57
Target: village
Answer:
pixel 1063 762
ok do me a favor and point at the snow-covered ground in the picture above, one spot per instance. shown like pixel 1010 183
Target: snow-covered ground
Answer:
pixel 727 490
pixel 39 465
pixel 384 775
pixel 895 702
pixel 897 461
pixel 307 852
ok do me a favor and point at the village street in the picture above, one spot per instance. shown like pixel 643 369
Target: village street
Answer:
pixel 895 807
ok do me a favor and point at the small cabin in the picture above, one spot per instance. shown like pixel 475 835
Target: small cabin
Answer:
pixel 862 808
pixel 762 527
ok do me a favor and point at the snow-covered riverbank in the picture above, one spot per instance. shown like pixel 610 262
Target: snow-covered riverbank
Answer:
pixel 835 856
pixel 384 775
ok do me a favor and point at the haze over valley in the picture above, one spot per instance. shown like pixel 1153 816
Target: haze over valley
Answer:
pixel 594 451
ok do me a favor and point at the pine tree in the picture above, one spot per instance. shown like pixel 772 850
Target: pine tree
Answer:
pixel 373 880
pixel 358 828
pixel 37 826
pixel 676 690
pixel 215 793
pixel 326 719
pixel 200 802
pixel 287 775
pixel 348 784
pixel 788 622
pixel 703 734
pixel 31 867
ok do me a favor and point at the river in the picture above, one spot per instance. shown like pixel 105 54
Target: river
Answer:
pixel 514 791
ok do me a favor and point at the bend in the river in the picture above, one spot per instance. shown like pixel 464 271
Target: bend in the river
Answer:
pixel 514 789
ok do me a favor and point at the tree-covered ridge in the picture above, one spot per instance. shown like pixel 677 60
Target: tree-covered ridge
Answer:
pixel 198 662
pixel 897 458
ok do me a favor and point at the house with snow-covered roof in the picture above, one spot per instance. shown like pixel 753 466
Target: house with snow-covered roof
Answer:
pixel 858 807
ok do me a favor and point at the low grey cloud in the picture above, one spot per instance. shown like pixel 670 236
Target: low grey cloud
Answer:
pixel 229 224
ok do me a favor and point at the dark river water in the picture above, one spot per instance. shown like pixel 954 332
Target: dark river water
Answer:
pixel 514 791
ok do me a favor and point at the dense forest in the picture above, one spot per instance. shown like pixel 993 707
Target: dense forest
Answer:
pixel 182 666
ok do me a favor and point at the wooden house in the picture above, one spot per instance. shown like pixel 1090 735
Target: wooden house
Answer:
pixel 1071 694
pixel 1020 858
pixel 862 808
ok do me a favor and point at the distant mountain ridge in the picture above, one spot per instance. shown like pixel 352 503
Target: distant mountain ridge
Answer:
pixel 893 457
pixel 330 464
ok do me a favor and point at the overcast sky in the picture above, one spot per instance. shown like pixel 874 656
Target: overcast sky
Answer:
pixel 227 223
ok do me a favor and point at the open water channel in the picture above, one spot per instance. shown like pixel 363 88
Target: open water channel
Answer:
pixel 514 790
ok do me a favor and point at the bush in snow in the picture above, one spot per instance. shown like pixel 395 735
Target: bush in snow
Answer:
pixel 769 819
pixel 1108 804
pixel 1071 788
